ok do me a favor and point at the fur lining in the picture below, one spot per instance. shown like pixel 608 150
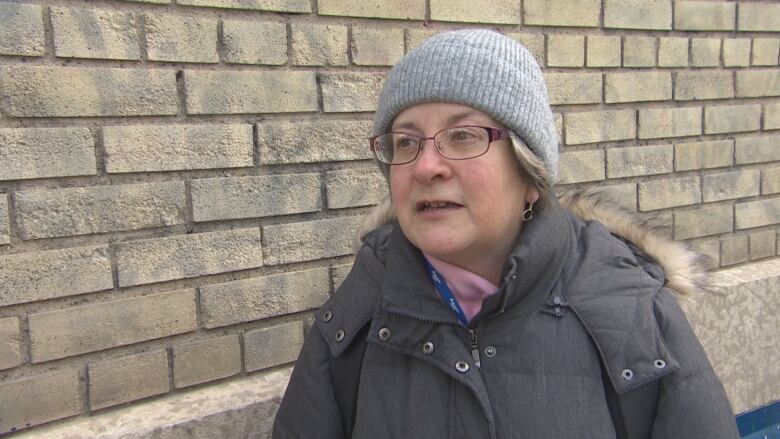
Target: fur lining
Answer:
pixel 681 265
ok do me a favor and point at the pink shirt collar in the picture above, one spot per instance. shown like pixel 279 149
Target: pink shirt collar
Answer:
pixel 468 288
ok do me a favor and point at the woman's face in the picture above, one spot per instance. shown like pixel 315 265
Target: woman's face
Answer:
pixel 466 212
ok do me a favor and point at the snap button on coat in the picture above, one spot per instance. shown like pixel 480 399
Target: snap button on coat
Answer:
pixel 490 351
pixel 428 347
pixel 462 366
pixel 327 315
pixel 659 364
pixel 384 334
pixel 339 335
pixel 627 374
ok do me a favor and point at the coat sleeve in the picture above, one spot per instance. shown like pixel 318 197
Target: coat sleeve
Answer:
pixel 308 409
pixel 692 403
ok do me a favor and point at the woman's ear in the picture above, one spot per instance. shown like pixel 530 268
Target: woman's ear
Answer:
pixel 532 196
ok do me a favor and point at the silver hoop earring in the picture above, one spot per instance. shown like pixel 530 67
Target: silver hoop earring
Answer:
pixel 528 213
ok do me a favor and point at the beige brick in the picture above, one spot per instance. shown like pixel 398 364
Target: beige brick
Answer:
pixel 761 244
pixel 729 185
pixel 258 298
pixel 757 149
pixel 206 360
pixel 307 241
pixel 227 198
pixel 638 14
pixel 249 42
pixel 623 195
pixel 733 250
pixel 639 160
pixel 150 148
pixel 86 91
pixel 705 52
pixel 377 47
pixel 99 209
pixel 757 213
pixel 21 30
pixel 732 118
pixel 771 116
pixel 603 51
pixel 97 326
pixel 710 250
pixel 736 52
pixel 127 379
pixel 639 52
pixel 669 122
pixel 697 85
pixel 476 11
pixel 401 9
pixel 235 92
pixel 704 15
pixel 533 42
pixel 770 180
pixel 703 155
pixel 670 192
pixel 38 399
pixel 339 273
pixel 326 140
pixel 711 220
pixel 94 33
pixel 5 228
pixel 355 187
pixel 294 6
pixel 573 88
pixel 580 166
pixel 758 83
pixel 264 348
pixel 565 50
pixel 599 126
pixel 759 17
pixel 578 13
pixel 765 51
pixel 10 343
pixel 178 257
pixel 672 52
pixel 415 37
pixel 638 86
pixel 319 45
pixel 46 152
pixel 36 276
pixel 181 38
pixel 558 120
pixel 346 92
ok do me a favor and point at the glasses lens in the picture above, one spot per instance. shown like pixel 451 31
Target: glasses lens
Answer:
pixel 396 148
pixel 463 142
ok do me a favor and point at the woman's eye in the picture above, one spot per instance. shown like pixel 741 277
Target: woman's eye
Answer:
pixel 462 135
pixel 405 142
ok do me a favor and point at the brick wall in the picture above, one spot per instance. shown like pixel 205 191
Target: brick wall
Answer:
pixel 180 182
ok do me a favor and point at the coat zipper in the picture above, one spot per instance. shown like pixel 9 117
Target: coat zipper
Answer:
pixel 474 347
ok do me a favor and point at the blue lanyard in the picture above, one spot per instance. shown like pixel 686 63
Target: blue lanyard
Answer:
pixel 445 293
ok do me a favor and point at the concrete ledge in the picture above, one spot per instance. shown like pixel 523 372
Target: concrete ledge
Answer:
pixel 738 323
pixel 242 408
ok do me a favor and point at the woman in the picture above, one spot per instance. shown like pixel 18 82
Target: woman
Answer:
pixel 478 306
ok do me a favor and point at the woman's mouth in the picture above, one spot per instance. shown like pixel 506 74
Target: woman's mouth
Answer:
pixel 429 206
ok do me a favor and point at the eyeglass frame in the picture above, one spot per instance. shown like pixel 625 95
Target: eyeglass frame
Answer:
pixel 493 135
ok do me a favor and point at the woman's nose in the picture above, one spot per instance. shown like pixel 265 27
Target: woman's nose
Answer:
pixel 430 164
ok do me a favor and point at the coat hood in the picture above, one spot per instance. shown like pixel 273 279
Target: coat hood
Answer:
pixel 682 266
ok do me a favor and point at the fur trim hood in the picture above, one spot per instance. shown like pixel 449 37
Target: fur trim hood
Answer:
pixel 682 266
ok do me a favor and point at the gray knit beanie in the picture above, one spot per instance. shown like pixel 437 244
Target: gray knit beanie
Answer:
pixel 483 69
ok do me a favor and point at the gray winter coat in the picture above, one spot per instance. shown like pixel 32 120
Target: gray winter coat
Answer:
pixel 573 297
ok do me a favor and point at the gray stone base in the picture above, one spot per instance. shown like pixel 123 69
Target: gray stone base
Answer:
pixel 738 323
pixel 242 408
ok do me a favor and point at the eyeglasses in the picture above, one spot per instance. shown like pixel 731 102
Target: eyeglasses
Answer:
pixel 456 143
